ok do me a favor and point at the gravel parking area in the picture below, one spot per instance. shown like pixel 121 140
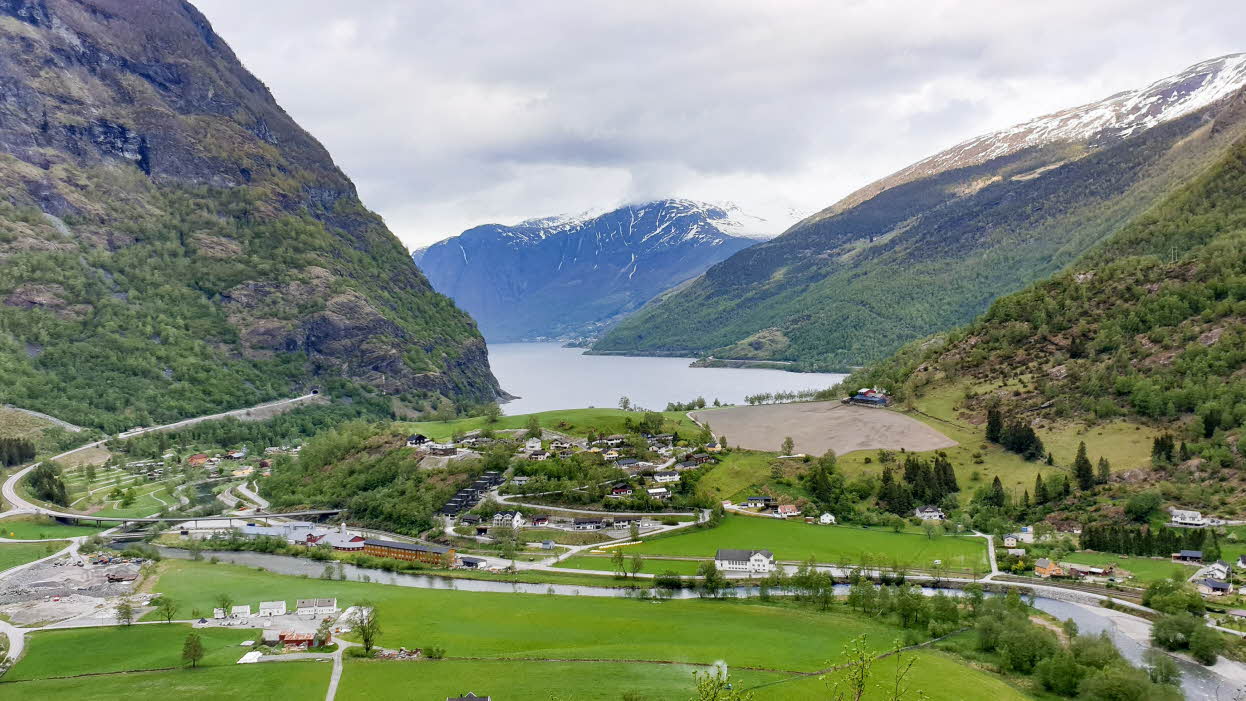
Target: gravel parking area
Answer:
pixel 820 426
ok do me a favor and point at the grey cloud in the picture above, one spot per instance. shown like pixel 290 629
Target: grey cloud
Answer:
pixel 448 114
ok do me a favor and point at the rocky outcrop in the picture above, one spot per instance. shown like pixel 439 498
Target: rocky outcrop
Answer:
pixel 153 178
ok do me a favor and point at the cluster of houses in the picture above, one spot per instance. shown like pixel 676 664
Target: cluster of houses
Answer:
pixel 214 464
pixel 1047 568
pixel 763 504
pixel 317 608
pixel 468 497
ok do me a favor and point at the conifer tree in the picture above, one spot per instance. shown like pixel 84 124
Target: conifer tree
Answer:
pixel 1083 471
pixel 1040 490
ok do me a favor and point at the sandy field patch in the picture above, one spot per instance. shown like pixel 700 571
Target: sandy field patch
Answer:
pixel 89 456
pixel 820 426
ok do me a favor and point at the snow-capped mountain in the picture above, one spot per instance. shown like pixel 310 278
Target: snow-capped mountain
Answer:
pixel 568 276
pixel 1095 125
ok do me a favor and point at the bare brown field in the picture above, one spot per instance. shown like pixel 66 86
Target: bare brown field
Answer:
pixel 816 427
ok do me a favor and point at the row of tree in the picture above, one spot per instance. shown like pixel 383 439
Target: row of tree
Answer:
pixel 922 482
pixel 1146 541
pixel 15 451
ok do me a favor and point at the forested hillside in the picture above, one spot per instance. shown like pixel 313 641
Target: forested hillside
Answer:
pixel 173 244
pixel 1150 325
pixel 853 284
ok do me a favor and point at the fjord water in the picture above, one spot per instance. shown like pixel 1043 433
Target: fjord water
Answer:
pixel 546 376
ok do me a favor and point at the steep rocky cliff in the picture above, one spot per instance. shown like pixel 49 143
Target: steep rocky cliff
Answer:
pixel 171 241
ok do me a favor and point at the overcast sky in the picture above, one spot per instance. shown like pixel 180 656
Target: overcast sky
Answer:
pixel 456 113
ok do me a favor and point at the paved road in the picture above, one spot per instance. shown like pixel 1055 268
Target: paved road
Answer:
pixel 259 500
pixel 21 506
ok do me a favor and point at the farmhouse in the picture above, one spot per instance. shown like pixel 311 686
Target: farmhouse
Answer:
pixel 532 444
pixel 701 458
pixel 292 638
pixel 339 540
pixel 540 520
pixel 745 560
pixel 315 607
pixel 430 554
pixel 714 447
pixel 1219 569
pixel 930 513
pixel 625 463
pixel 472 563
pixel 520 480
pixel 658 493
pixel 1010 541
pixel 786 510
pixel 587 524
pixel 539 456
pixel 218 613
pixel 240 611
pixel 826 520
pixel 1188 556
pixel 1016 552
pixel 1213 587
pixel 272 608
pixel 761 502
pixel 1046 568
pixel 621 489
pixel 666 476
pixel 1188 519
pixel 615 440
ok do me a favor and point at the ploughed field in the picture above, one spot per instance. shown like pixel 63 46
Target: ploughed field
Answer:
pixel 817 427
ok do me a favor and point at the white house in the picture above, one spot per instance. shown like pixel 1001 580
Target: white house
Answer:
pixel 1188 519
pixel 745 560
pixel 532 444
pixel 930 513
pixel 826 520
pixel 315 607
pixel 1010 541
pixel 240 611
pixel 659 493
pixel 665 477
pixel 514 519
pixel 218 613
pixel 272 608
pixel 1218 569
pixel 1019 552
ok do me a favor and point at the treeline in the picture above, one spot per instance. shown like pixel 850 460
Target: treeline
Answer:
pixel 351 403
pixel 358 467
pixel 1017 435
pixel 15 451
pixel 922 482
pixel 786 396
pixel 46 484
pixel 1145 541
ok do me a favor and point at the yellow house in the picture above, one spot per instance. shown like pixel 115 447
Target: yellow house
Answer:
pixel 714 447
pixel 610 454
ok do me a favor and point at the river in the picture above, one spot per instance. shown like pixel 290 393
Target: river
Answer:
pixel 1128 632
pixel 546 376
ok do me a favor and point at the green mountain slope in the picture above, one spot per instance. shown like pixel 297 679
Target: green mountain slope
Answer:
pixel 1151 324
pixel 172 243
pixel 851 285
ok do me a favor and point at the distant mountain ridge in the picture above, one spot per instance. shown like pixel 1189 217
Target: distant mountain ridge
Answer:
pixel 931 246
pixel 569 276
pixel 1099 123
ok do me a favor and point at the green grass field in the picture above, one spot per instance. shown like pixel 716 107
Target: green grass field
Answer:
pixel 66 653
pixel 652 566
pixel 739 472
pixel 39 527
pixel 1124 444
pixel 14 554
pixel 1144 569
pixel 577 422
pixel 258 682
pixel 796 540
pixel 939 676
pixel 474 624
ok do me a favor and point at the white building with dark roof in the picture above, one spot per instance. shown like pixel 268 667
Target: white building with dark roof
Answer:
pixel 756 561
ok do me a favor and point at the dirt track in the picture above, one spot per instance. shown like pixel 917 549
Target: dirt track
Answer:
pixel 819 426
